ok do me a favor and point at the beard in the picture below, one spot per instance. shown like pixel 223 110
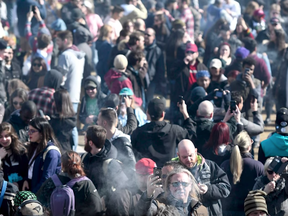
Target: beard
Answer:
pixel 87 147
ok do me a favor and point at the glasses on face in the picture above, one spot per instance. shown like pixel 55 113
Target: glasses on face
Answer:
pixel 90 88
pixel 36 65
pixel 16 103
pixel 156 20
pixel 31 131
pixel 270 172
pixel 177 184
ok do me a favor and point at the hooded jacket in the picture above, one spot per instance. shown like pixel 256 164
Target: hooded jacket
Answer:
pixel 87 199
pixel 125 154
pixel 43 170
pixel 73 61
pixel 62 128
pixel 117 80
pixel 53 79
pixel 275 145
pixel 93 167
pixel 157 140
pixel 19 126
pixel 100 99
pixel 209 173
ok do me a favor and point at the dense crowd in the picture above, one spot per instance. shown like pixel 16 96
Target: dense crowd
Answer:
pixel 168 95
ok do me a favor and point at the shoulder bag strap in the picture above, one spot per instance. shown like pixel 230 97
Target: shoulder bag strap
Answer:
pixel 56 180
pixel 4 186
pixel 75 180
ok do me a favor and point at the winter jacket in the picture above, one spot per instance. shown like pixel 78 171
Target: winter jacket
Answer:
pixel 19 126
pixel 123 202
pixel 103 49
pixel 275 145
pixel 235 65
pixel 125 154
pixel 14 72
pixel 251 170
pixel 100 99
pixel 63 130
pixel 73 61
pixel 87 199
pixel 253 128
pixel 204 128
pixel 156 65
pixel 209 173
pixel 149 207
pixel 89 64
pixel 2 83
pixel 117 80
pixel 161 38
pixel 7 207
pixel 277 201
pixel 23 7
pixel 43 170
pixel 67 12
pixel 15 167
pixel 158 140
pixel 93 167
pixel 223 153
pixel 132 13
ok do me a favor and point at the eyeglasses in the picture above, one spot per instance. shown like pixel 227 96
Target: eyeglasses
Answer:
pixel 16 103
pixel 31 131
pixel 270 172
pixel 37 65
pixel 177 184
pixel 90 88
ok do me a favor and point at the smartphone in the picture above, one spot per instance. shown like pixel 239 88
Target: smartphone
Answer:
pixel 232 106
pixel 41 113
pixel 157 171
pixel 180 99
pixel 33 8
pixel 247 71
pixel 219 94
pixel 123 98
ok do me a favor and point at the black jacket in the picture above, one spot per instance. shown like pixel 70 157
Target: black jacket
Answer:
pixel 158 140
pixel 100 98
pixel 19 126
pixel 11 191
pixel 235 65
pixel 131 122
pixel 93 167
pixel 87 199
pixel 14 72
pixel 67 12
pixel 156 65
pixel 63 130
pixel 251 170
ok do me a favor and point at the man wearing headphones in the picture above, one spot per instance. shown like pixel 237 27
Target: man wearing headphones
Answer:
pixel 277 143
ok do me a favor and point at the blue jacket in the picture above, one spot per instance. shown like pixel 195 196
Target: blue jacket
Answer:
pixel 23 7
pixel 43 170
pixel 276 145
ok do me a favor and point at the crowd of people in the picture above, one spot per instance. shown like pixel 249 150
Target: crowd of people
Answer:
pixel 169 96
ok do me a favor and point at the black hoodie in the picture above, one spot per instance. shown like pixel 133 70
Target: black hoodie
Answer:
pixel 100 98
pixel 53 79
pixel 93 167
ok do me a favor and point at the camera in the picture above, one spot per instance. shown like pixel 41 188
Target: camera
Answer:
pixel 277 166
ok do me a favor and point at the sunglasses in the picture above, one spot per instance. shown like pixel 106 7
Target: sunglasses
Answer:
pixel 31 131
pixel 177 184
pixel 90 88
pixel 16 103
pixel 270 172
pixel 37 65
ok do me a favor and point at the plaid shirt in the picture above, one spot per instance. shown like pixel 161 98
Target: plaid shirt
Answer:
pixel 187 17
pixel 44 99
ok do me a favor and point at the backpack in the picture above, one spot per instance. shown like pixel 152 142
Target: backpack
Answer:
pixel 62 199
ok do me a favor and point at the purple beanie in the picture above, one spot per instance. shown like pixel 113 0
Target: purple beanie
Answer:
pixel 241 53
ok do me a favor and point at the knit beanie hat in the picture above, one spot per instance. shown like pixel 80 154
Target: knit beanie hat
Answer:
pixel 21 196
pixel 241 53
pixel 120 62
pixel 255 201
pixel 197 93
pixel 202 73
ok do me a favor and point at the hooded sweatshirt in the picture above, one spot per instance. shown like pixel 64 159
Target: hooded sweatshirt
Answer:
pixel 73 61
pixel 276 145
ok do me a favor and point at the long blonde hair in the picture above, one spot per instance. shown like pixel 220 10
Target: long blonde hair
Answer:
pixel 104 32
pixel 242 142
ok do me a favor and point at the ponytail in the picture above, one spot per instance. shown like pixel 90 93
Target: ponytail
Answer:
pixel 236 164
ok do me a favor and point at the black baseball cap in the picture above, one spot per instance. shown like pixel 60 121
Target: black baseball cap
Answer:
pixel 156 107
